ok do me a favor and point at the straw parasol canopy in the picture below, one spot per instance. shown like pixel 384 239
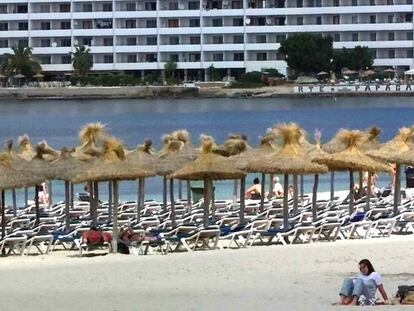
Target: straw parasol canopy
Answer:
pixel 369 72
pixel 38 75
pixel 143 156
pixel 50 154
pixel 322 73
pixel 371 140
pixel 90 137
pixel 66 166
pixel 25 150
pixel 20 76
pixel 389 70
pixel 348 72
pixel 171 158
pixel 38 166
pixel 334 145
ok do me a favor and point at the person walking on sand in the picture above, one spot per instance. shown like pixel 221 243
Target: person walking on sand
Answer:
pixel 361 290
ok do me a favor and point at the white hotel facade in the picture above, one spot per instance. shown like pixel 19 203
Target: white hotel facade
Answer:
pixel 139 36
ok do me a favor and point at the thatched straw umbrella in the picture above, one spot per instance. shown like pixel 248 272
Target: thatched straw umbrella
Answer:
pixel 143 157
pixel 66 168
pixel 112 168
pixel 207 167
pixel 26 152
pixel 351 159
pixel 292 159
pixel 390 152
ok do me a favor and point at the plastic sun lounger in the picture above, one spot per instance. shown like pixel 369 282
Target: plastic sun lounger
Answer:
pixel 88 247
pixel 354 230
pixel 328 231
pixel 153 247
pixel 381 228
pixel 301 233
pixel 42 242
pixel 239 238
pixel 206 238
pixel 13 244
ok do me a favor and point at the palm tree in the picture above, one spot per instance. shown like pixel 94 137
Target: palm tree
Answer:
pixel 21 61
pixel 82 60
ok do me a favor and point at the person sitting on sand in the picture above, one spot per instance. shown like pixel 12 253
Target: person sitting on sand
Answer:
pixel 255 191
pixel 361 290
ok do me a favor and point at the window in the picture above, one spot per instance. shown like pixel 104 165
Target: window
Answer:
pixel 4 26
pixel 107 7
pixel 391 53
pixel 64 7
pixel 150 58
pixel 217 22
pixel 372 19
pixel 391 36
pixel 66 59
pixel 151 23
pixel 65 42
pixel 335 19
pixel 261 56
pixel 108 41
pixel 280 21
pixel 318 3
pixel 336 3
pixel 373 36
pixel 260 21
pixel 87 7
pixel 22 8
pixel 409 17
pixel 371 2
pixel 195 40
pixel 299 20
pixel 23 26
pixel 238 57
pixel 131 41
pixel 174 40
pixel 194 57
pixel 131 58
pixel 104 23
pixel 193 5
pixel 409 36
pixel 108 59
pixel 45 59
pixel 4 43
pixel 217 57
pixel 390 18
pixel 280 38
pixel 217 39
pixel 44 8
pixel 173 6
pixel 236 5
pixel 3 8
pixel 195 22
pixel 354 2
pixel 150 6
pixel 318 20
pixel 299 3
pixel 355 36
pixel 44 43
pixel 237 21
pixel 173 23
pixel 130 23
pixel 86 41
pixel 23 42
pixel 238 39
pixel 354 19
pixel 64 25
pixel 174 57
pixel 86 24
pixel 261 39
pixel 337 37
pixel 130 6
pixel 45 25
pixel 151 40
pixel 409 53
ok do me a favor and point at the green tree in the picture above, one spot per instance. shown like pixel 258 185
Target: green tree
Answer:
pixel 21 61
pixel 213 74
pixel 358 58
pixel 307 53
pixel 82 60
pixel 169 68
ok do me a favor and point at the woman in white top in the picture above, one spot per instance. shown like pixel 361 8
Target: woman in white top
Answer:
pixel 361 290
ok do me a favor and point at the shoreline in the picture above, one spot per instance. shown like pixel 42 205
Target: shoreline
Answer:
pixel 176 92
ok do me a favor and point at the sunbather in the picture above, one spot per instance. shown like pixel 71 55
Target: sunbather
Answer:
pixel 95 236
pixel 255 191
pixel 128 236
pixel 361 290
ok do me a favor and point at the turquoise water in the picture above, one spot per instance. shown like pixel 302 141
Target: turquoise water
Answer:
pixel 58 121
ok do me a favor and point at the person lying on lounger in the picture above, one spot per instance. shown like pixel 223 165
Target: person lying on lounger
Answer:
pixel 128 236
pixel 95 236
pixel 361 290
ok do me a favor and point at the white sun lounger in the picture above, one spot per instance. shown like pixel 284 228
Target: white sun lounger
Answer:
pixel 381 228
pixel 203 239
pixel 41 242
pixel 302 233
pixel 13 244
pixel 327 231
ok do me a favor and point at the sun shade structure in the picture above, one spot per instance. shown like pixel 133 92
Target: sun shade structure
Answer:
pixel 207 167
pixel 292 159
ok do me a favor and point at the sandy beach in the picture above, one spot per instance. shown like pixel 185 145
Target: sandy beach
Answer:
pixel 298 277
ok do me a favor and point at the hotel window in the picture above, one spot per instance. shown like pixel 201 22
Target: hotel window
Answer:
pixel 311 3
pixel 172 6
pixel 409 53
pixel 193 5
pixel 3 8
pixel 130 23
pixel 173 57
pixel 390 18
pixel 238 57
pixel 194 22
pixel 372 19
pixel 236 5
pixel 194 57
pixel 354 19
pixel 108 41
pixel 107 7
pixel 23 43
pixel 131 41
pixel 108 59
pixel 261 56
pixel 174 40
pixel 46 59
pixel 390 2
pixel 371 2
pixel 391 36
pixel 354 2
pixel 65 42
pixel 237 22
pixel 151 23
pixel 130 6
pixel 318 3
pixel 280 38
pixel 336 19
pixel 66 59
pixel 87 7
pixel 86 41
pixel 151 40
pixel 195 40
pixel 23 26
pixel 22 8
pixel 217 57
pixel 409 17
pixel 261 39
pixel 4 26
pixel 391 53
pixel 409 36
pixel 131 58
pixel 45 25
pixel 238 39
pixel 150 6
pixel 355 36
pixel 151 58
pixel 173 23
pixel 337 37
pixel 217 22
pixel 318 20
pixel 44 8
pixel 64 25
pixel 64 8
pixel 45 43
pixel 86 24
pixel 373 36
pixel 336 3
pixel 4 43
pixel 217 39
pixel 299 3
pixel 299 20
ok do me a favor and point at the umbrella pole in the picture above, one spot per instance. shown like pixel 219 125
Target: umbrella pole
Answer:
pixel 180 189
pixel 50 198
pixel 72 195
pixel 140 205
pixel 262 190
pixel 67 204
pixel 26 197
pixel 332 186
pixel 164 193
pixel 351 192
pixel 110 199
pixel 189 196
pixel 397 188
pixel 270 186
pixel 302 189
pixel 3 217
pixel 295 195
pixel 315 197
pixel 14 202
pixel 242 199
pixel 361 183
pixel 206 201
pixel 235 187
pixel 115 219
pixel 213 202
pixel 91 202
pixel 96 193
pixel 172 215
pixel 285 202
pixel 368 192
pixel 37 205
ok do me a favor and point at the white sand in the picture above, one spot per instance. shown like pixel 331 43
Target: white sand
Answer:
pixel 298 277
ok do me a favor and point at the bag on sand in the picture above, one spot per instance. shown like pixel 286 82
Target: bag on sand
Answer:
pixel 406 294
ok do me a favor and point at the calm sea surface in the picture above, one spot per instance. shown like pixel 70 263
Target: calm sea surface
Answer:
pixel 134 120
